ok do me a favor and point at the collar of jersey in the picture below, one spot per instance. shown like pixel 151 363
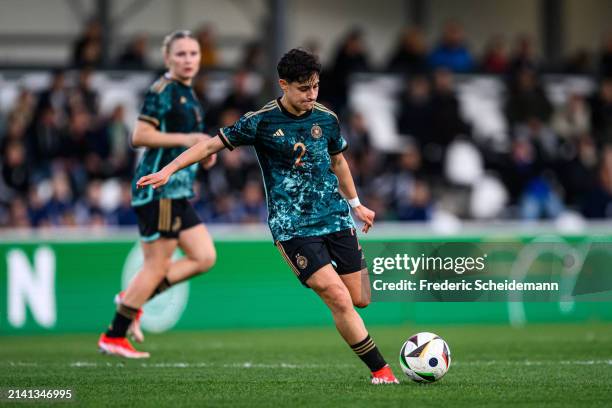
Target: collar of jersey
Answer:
pixel 291 115
pixel 176 81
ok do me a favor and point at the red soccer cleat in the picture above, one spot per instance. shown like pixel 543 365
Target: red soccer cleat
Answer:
pixel 119 346
pixel 134 331
pixel 384 376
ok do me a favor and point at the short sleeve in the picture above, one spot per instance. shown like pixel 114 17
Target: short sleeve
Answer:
pixel 241 133
pixel 336 143
pixel 154 107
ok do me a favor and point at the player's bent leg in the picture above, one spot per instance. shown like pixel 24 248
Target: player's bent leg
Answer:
pixel 330 288
pixel 200 254
pixel 156 261
pixel 358 285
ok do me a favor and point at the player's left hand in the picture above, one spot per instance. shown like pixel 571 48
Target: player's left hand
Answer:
pixel 366 215
pixel 209 161
pixel 155 180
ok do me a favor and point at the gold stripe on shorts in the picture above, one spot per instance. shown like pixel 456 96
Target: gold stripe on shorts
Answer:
pixel 284 255
pixel 165 214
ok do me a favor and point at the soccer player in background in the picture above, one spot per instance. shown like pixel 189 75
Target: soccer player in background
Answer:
pixel 170 121
pixel 306 176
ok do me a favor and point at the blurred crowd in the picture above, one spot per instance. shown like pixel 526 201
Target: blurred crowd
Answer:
pixel 64 163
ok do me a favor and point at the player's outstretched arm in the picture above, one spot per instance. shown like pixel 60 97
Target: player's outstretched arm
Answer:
pixel 200 151
pixel 347 189
pixel 146 135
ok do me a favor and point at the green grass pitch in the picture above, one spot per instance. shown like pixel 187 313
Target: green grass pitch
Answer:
pixel 538 365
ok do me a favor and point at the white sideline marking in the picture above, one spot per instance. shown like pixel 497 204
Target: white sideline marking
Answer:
pixel 249 364
pixel 532 363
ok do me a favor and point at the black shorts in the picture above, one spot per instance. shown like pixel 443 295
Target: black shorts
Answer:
pixel 306 255
pixel 165 218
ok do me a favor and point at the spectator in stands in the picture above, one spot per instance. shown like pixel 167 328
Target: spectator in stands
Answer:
pixel 578 173
pixel 253 57
pixel 239 98
pixel 87 49
pixel 573 118
pixel 351 57
pixel 208 48
pixel 540 201
pixel 56 97
pixel 418 205
pixel 15 168
pixel 47 138
pixel 79 137
pixel 15 131
pixel 83 95
pixel 529 183
pixel 59 209
pixel 252 207
pixel 523 164
pixel 124 215
pixel 601 113
pixel 404 176
pixel 410 56
pixel 85 150
pixel 225 210
pixel 578 63
pixel 37 211
pixel 416 110
pixel 447 123
pixel 527 100
pixel 523 56
pixel 540 134
pixel 598 202
pixel 120 159
pixel 356 134
pixel 211 111
pixel 18 214
pixel 605 58
pixel 88 210
pixel 134 56
pixel 452 52
pixel 24 106
pixel 495 58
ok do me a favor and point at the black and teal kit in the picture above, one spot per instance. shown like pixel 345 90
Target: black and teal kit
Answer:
pixel 172 107
pixel 294 154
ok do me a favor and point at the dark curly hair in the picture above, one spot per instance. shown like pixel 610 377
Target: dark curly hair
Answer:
pixel 298 65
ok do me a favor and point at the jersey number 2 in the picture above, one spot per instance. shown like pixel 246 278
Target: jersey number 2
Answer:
pixel 302 152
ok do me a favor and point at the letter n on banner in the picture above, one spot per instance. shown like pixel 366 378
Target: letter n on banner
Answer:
pixel 31 287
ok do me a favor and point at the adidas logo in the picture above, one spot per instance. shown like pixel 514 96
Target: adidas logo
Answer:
pixel 278 133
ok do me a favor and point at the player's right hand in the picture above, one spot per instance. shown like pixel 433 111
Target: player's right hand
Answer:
pixel 366 215
pixel 154 180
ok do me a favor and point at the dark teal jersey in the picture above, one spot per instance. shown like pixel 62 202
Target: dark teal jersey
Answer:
pixel 294 154
pixel 171 107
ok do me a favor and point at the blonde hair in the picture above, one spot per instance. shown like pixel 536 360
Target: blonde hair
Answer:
pixel 172 37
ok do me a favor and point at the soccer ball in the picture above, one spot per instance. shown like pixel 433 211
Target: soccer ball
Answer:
pixel 425 357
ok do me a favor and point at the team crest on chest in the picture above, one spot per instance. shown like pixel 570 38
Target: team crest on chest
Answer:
pixel 183 100
pixel 302 261
pixel 316 131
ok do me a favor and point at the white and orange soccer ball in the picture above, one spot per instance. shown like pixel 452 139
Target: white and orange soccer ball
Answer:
pixel 425 357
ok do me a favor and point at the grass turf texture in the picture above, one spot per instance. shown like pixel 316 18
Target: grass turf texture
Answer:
pixel 551 365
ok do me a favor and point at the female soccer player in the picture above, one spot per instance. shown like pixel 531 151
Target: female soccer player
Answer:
pixel 299 147
pixel 170 121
